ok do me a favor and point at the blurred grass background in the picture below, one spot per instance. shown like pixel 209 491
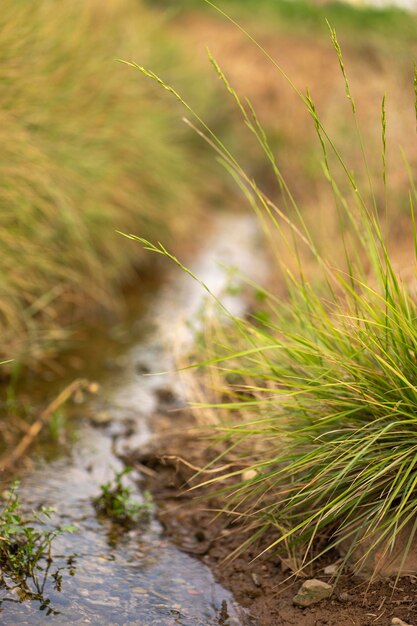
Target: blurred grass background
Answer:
pixel 90 147
pixel 87 148
pixel 386 20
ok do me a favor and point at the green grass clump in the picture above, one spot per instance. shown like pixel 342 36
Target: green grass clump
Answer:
pixel 85 150
pixel 328 393
pixel 318 390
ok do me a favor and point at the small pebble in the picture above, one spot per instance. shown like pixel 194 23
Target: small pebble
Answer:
pixel 200 535
pixel 102 418
pixel 142 369
pixel 249 474
pixel 93 388
pixel 168 399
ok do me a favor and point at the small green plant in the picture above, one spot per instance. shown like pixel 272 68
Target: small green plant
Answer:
pixel 116 503
pixel 26 549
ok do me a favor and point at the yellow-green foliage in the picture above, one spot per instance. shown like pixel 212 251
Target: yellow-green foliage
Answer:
pixel 87 149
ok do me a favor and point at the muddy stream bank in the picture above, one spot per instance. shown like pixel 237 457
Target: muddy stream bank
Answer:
pixel 136 577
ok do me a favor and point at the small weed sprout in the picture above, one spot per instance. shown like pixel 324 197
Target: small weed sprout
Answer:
pixel 115 502
pixel 26 550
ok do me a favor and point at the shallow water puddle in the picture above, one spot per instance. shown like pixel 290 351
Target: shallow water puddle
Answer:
pixel 136 577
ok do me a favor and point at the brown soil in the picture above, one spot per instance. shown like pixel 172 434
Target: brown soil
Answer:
pixel 260 584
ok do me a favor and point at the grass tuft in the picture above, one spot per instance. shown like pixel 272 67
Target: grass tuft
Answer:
pixel 26 555
pixel 320 386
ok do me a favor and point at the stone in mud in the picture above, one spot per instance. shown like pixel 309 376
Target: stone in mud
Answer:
pixel 249 474
pixel 396 621
pixel 114 364
pixel 101 418
pixel 331 570
pixel 167 398
pixel 311 592
pixel 93 388
pixel 345 597
pixel 142 368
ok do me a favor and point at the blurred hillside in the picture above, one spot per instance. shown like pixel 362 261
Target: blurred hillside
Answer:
pixel 378 46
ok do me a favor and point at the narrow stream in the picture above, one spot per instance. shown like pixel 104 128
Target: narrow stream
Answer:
pixel 139 577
